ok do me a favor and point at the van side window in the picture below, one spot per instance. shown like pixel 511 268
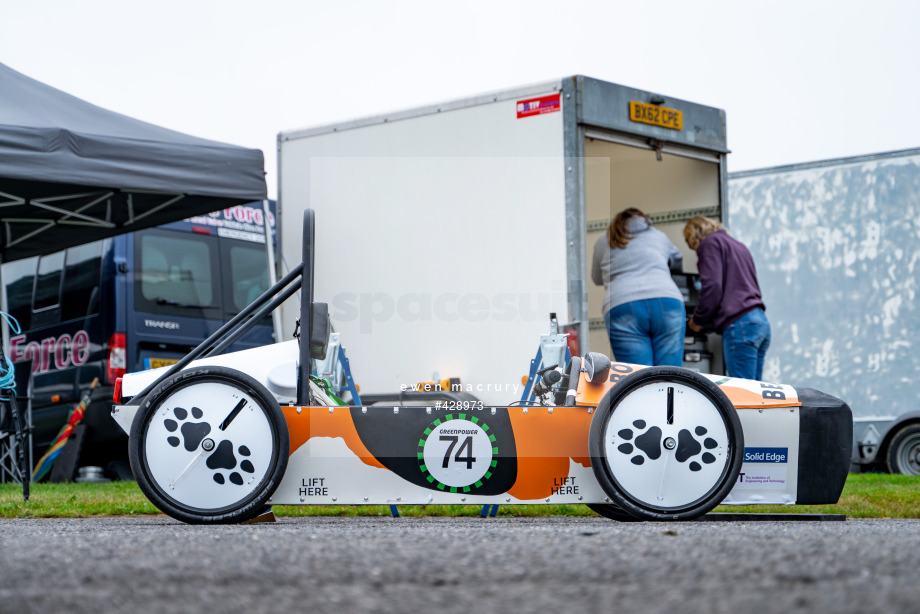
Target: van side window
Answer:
pixel 19 277
pixel 46 301
pixel 82 269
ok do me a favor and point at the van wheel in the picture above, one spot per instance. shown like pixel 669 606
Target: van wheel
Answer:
pixel 666 444
pixel 904 451
pixel 209 445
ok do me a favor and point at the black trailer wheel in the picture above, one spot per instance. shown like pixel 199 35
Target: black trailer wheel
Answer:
pixel 666 444
pixel 209 445
pixel 612 512
pixel 904 451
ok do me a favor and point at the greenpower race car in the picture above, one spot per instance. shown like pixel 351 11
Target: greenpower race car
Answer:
pixel 220 438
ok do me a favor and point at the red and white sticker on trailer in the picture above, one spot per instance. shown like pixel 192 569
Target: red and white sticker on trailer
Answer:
pixel 538 106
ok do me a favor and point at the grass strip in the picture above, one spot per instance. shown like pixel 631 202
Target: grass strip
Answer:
pixel 74 500
pixel 869 495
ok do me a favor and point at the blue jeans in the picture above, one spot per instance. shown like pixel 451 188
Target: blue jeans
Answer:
pixel 744 345
pixel 648 332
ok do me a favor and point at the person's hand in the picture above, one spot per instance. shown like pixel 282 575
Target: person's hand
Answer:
pixel 694 326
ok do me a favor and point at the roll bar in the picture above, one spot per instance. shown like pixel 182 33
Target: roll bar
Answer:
pixel 314 336
pixel 306 308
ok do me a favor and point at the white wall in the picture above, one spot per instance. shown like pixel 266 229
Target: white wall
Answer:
pixel 441 243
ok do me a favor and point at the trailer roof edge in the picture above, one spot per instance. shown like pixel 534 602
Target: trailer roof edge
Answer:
pixel 801 166
pixel 451 105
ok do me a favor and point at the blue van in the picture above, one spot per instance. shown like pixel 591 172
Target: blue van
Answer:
pixel 131 302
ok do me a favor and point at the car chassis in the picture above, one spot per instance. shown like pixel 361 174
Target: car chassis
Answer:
pixel 220 438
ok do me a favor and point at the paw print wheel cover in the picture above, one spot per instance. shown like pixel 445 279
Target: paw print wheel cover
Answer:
pixel 209 444
pixel 666 443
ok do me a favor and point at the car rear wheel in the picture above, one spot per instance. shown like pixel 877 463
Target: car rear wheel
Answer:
pixel 666 444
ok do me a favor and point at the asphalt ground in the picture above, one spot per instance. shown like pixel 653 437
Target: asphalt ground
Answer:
pixel 336 565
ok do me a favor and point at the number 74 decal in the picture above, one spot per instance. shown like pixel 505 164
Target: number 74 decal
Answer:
pixel 466 445
pixel 468 459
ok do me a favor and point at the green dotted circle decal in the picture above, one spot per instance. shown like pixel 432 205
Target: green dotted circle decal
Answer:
pixel 457 453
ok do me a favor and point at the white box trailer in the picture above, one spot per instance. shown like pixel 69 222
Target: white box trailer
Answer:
pixel 450 232
pixel 837 252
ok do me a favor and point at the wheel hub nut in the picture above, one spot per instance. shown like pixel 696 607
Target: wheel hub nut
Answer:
pixel 669 443
pixel 207 445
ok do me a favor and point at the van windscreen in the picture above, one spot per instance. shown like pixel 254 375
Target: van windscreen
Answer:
pixel 177 274
pixel 187 274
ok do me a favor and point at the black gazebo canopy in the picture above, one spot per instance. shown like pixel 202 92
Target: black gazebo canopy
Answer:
pixel 72 172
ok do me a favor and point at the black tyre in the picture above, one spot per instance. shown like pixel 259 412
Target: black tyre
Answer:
pixel 666 444
pixel 612 512
pixel 209 445
pixel 904 451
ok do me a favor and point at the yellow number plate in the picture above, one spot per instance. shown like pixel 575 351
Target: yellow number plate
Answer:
pixel 155 363
pixel 655 115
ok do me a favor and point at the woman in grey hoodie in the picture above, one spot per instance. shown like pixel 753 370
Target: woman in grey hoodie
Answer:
pixel 643 307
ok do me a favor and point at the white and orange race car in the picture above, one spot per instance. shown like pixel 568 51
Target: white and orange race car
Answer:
pixel 221 438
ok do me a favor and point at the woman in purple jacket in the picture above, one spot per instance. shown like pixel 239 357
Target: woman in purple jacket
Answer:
pixel 730 299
